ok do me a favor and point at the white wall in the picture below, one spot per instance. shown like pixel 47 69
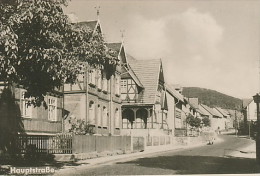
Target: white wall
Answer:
pixel 171 111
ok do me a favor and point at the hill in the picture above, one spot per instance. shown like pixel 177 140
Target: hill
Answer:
pixel 212 98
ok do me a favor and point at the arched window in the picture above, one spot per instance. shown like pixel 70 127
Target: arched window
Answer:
pixel 105 117
pixel 117 118
pixel 128 118
pixel 91 112
pixel 99 115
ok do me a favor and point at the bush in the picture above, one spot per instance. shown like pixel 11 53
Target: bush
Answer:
pixel 194 122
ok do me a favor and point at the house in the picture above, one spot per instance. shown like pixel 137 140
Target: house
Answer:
pixel 226 118
pixel 249 110
pixel 95 97
pixel 214 117
pixel 144 105
pixel 194 106
pixel 174 102
pixel 176 114
pixel 22 117
pixel 220 119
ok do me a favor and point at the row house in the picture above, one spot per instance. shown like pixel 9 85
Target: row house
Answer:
pixel 215 118
pixel 144 105
pixel 176 111
pixel 227 121
pixel 95 98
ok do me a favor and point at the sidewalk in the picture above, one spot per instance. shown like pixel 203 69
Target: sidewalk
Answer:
pixel 83 164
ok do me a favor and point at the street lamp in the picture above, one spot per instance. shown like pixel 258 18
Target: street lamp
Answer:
pixel 257 101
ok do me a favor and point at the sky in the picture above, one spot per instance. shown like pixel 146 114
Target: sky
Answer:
pixel 212 44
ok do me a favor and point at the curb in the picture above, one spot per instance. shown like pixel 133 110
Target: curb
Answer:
pixel 130 156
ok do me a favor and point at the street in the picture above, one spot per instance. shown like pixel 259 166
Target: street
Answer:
pixel 208 159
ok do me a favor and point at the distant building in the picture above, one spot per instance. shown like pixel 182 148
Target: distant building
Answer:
pixel 215 118
pixel 249 110
pixel 176 115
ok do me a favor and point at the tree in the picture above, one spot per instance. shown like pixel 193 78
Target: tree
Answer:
pixel 206 121
pixel 194 122
pixel 40 49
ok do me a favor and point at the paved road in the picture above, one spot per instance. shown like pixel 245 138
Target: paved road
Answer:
pixel 208 159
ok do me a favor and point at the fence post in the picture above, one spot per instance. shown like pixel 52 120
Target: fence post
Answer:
pixel 73 149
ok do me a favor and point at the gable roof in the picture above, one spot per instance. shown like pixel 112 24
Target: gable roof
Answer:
pixel 210 110
pixel 174 92
pixel 222 111
pixel 147 72
pixel 194 102
pixel 246 102
pixel 218 114
pixel 115 47
pixel 90 24
pixel 203 111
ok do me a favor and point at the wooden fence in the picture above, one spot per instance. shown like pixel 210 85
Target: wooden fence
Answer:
pixel 68 144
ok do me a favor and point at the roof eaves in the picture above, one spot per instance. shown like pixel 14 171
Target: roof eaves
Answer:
pixel 133 75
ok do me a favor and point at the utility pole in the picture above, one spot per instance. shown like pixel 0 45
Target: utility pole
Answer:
pixel 257 101
pixel 236 124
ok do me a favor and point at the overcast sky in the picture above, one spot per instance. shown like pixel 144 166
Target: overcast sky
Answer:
pixel 209 44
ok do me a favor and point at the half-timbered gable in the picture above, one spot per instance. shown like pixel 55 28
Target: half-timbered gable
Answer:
pixel 144 103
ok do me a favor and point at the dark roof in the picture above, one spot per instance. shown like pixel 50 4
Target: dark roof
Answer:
pixel 147 72
pixel 91 24
pixel 174 92
pixel 246 102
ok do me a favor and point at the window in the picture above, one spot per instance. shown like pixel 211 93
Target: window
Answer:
pixel 117 86
pixel 117 120
pixel 99 115
pixel 91 112
pixel 52 108
pixel 92 76
pixel 99 79
pixel 104 84
pixel 123 86
pixel 105 117
pixel 26 108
